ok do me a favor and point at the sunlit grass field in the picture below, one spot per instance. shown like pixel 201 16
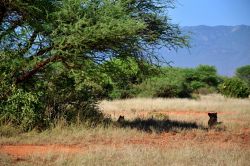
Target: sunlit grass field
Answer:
pixel 155 132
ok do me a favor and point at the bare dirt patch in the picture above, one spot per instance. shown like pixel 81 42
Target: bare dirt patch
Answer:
pixel 24 150
pixel 164 140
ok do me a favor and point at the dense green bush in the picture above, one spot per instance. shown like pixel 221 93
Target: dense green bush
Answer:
pixel 170 83
pixel 68 94
pixel 208 75
pixel 125 74
pixel 203 76
pixel 181 82
pixel 244 73
pixel 22 109
pixel 172 91
pixel 119 93
pixel 234 87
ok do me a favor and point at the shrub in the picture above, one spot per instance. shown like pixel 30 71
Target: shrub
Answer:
pixel 167 91
pixel 125 74
pixel 164 86
pixel 39 103
pixel 244 73
pixel 119 93
pixel 208 75
pixel 21 109
pixel 195 85
pixel 180 90
pixel 201 77
pixel 234 87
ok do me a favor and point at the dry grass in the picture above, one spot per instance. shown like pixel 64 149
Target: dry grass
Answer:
pixel 137 155
pixel 232 112
pixel 128 144
pixel 70 135
pixel 213 102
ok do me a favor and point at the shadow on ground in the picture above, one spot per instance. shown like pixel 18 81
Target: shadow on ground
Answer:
pixel 150 125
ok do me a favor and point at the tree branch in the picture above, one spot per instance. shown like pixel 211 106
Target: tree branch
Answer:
pixel 43 50
pixel 39 66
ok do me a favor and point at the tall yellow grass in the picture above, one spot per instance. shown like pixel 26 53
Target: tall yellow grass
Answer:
pixel 231 111
pixel 126 146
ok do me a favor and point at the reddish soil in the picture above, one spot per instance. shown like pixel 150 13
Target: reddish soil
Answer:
pixel 164 140
pixel 23 150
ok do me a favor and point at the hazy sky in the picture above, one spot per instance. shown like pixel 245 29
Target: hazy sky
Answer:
pixel 211 12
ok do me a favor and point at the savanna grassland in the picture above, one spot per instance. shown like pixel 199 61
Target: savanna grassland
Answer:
pixel 70 68
pixel 155 132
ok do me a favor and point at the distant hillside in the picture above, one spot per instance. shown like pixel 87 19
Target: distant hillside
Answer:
pixel 226 47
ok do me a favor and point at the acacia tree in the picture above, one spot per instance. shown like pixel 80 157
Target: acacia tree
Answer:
pixel 50 51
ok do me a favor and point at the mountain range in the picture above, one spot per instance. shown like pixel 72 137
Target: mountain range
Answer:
pixel 225 47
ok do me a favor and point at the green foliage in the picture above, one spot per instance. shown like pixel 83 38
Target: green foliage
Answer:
pixel 126 74
pixel 173 90
pixel 234 87
pixel 118 93
pixel 244 73
pixel 203 76
pixel 207 74
pixel 177 82
pixel 53 52
pixel 171 83
pixel 21 109
pixel 67 94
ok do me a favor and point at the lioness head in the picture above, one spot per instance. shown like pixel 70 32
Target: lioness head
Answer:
pixel 121 119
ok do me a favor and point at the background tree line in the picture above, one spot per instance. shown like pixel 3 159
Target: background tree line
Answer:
pixel 174 82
